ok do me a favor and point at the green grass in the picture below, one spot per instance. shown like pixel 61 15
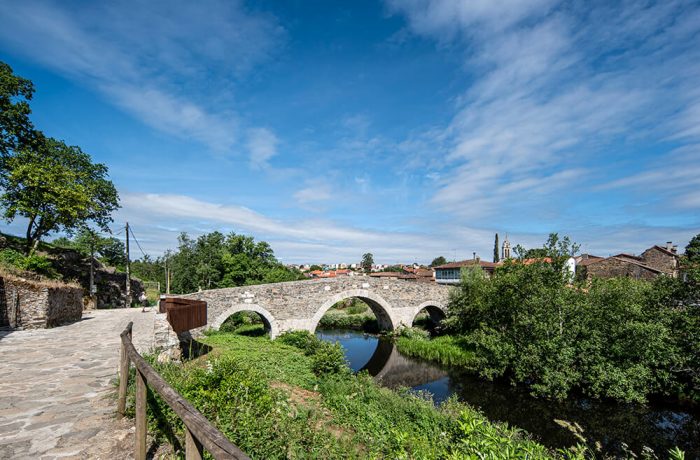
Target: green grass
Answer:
pixel 274 400
pixel 448 350
pixel 342 319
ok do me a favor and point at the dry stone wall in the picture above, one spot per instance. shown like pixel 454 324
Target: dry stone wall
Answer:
pixel 29 304
pixel 299 305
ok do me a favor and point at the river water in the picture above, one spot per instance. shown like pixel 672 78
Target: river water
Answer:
pixel 658 426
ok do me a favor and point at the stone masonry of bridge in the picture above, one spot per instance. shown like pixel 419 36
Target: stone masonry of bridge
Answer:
pixel 299 305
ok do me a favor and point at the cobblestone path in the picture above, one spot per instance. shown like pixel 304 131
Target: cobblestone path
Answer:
pixel 57 398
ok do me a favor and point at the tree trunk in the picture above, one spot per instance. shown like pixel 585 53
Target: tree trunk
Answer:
pixel 29 242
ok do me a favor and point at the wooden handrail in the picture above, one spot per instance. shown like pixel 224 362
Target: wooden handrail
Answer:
pixel 200 434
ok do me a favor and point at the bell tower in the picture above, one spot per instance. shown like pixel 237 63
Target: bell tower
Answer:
pixel 505 252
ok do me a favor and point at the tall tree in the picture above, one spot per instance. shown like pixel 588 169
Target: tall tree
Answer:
pixel 56 187
pixel 367 261
pixel 440 260
pixel 496 257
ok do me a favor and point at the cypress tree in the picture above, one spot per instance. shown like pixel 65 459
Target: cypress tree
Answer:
pixel 496 258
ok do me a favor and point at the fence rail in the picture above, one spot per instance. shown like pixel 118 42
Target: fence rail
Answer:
pixel 200 434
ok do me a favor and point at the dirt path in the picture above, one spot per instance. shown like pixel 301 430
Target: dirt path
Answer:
pixel 56 388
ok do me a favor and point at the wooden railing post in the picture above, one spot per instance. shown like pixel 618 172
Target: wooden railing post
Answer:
pixel 193 448
pixel 123 374
pixel 200 434
pixel 140 445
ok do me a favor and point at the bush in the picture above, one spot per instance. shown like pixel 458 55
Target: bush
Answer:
pixel 303 340
pixel 329 358
pixel 620 339
pixel 33 263
pixel 356 308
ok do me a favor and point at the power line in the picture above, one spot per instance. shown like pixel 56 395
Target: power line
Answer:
pixel 137 241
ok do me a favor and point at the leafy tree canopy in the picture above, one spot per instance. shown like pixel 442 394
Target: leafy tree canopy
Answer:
pixel 56 187
pixel 110 250
pixel 367 261
pixel 619 338
pixel 215 260
pixel 438 261
pixel 16 130
pixel 692 250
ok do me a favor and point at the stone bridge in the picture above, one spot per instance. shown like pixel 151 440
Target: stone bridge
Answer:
pixel 299 305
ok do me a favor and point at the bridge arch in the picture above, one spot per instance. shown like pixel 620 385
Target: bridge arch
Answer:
pixel 436 310
pixel 379 306
pixel 268 320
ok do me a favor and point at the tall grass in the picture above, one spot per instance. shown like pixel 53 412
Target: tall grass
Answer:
pixel 448 350
pixel 271 399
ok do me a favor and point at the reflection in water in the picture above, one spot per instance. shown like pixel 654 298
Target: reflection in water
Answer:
pixel 655 426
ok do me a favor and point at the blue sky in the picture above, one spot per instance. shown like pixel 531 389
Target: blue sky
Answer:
pixel 409 129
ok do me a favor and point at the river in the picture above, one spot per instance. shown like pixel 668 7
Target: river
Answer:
pixel 655 425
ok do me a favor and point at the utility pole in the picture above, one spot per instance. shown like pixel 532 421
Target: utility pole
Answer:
pixel 128 274
pixel 92 268
pixel 167 272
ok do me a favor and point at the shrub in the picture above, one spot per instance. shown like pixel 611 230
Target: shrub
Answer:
pixel 356 308
pixel 303 340
pixel 329 358
pixel 33 263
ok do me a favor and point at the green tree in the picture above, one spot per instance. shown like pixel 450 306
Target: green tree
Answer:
pixel 16 130
pixel 496 257
pixel 215 260
pixel 110 250
pixel 56 187
pixel 692 250
pixel 315 267
pixel 438 261
pixel 367 262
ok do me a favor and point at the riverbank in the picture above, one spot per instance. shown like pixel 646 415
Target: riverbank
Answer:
pixel 296 398
pixel 447 350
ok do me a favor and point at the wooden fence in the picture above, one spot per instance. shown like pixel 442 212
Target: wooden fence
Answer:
pixel 200 434
pixel 184 314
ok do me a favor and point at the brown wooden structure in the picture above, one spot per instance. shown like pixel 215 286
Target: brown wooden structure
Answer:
pixel 184 314
pixel 200 434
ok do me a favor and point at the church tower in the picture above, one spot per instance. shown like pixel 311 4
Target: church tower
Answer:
pixel 505 253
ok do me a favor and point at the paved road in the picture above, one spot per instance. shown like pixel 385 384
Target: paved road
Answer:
pixel 56 388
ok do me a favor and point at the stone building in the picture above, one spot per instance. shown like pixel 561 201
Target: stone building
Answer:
pixel 664 259
pixel 621 265
pixel 653 262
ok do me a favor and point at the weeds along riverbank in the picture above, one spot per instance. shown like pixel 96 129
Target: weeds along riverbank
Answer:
pixel 447 349
pixel 295 397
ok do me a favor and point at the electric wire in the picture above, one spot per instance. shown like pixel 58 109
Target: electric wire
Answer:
pixel 137 241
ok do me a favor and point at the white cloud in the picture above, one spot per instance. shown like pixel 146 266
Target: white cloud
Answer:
pixel 324 239
pixel 445 19
pixel 158 219
pixel 315 191
pixel 169 65
pixel 552 88
pixel 262 145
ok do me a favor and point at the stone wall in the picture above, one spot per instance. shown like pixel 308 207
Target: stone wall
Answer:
pixel 617 267
pixel 29 304
pixel 661 260
pixel 299 305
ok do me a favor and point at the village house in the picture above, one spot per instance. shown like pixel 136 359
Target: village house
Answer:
pixel 450 273
pixel 653 262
